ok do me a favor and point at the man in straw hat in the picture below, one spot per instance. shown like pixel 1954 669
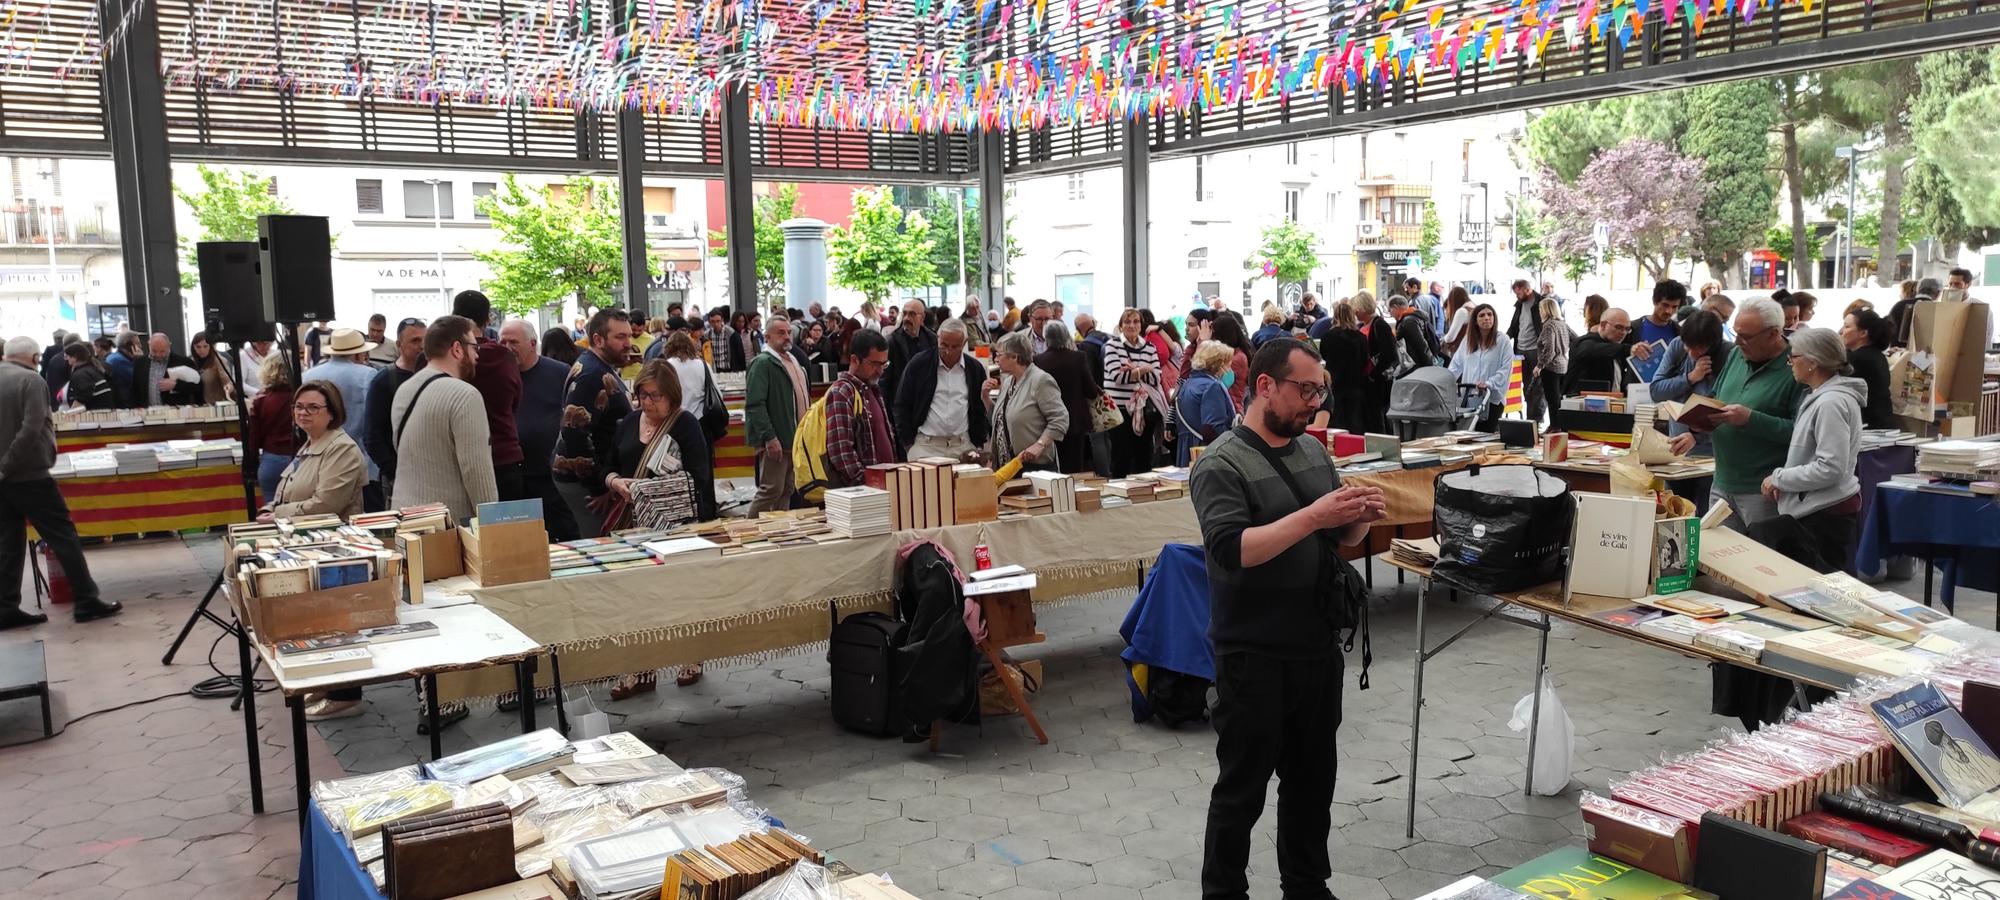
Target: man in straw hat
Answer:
pixel 347 368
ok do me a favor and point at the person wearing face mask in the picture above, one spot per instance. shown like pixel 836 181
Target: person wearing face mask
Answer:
pixel 1202 410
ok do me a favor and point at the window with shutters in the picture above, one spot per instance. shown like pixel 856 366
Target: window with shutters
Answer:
pixel 424 200
pixel 368 195
pixel 481 189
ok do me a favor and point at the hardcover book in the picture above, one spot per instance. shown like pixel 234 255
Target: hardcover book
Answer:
pixel 1676 554
pixel 1846 611
pixel 1944 750
pixel 1629 616
pixel 1943 874
pixel 1867 889
pixel 1611 550
pixel 318 645
pixel 1741 860
pixel 1858 838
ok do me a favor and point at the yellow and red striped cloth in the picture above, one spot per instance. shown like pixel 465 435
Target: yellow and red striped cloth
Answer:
pixel 109 505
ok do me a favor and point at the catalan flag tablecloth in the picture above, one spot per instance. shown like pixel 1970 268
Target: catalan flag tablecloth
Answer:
pixel 110 505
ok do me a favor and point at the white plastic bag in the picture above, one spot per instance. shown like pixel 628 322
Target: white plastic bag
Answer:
pixel 1555 740
pixel 586 721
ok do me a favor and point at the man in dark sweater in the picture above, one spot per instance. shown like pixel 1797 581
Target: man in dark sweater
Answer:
pixel 538 421
pixel 498 379
pixel 381 443
pixel 1272 515
pixel 1600 360
pixel 910 340
pixel 28 495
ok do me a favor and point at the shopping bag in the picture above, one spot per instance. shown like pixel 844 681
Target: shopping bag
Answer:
pixel 1500 528
pixel 1555 740
pixel 586 721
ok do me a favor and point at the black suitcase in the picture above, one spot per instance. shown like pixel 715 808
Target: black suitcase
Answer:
pixel 860 653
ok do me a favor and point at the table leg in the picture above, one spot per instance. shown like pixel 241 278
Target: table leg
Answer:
pixel 555 677
pixel 431 715
pixel 1927 580
pixel 1368 566
pixel 1416 714
pixel 524 686
pixel 1535 704
pixel 301 760
pixel 1399 572
pixel 246 673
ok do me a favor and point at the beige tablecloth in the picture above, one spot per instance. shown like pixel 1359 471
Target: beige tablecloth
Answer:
pixel 766 604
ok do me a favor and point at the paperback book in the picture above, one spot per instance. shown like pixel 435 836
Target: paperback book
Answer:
pixel 1942 748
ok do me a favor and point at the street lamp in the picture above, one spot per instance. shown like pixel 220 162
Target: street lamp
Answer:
pixel 437 222
pixel 1845 265
pixel 1485 228
pixel 48 174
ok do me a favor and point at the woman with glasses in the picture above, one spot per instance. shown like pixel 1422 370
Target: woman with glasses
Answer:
pixel 658 439
pixel 326 474
pixel 1485 359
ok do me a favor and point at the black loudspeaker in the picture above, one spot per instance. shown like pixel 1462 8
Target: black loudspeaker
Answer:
pixel 232 296
pixel 296 258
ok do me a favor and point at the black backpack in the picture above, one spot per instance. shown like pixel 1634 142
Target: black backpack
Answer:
pixel 1176 698
pixel 861 652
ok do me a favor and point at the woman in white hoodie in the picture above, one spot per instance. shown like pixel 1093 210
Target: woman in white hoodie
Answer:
pixel 1818 496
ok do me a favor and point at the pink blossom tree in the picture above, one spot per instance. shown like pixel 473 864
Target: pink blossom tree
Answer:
pixel 1647 197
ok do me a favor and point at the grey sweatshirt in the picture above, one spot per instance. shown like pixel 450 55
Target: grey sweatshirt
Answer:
pixel 1826 437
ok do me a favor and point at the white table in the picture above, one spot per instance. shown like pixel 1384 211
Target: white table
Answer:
pixel 469 637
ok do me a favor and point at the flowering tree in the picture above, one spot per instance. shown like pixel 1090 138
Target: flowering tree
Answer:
pixel 1647 197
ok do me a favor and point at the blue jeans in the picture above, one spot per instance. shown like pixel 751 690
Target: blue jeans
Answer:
pixel 270 468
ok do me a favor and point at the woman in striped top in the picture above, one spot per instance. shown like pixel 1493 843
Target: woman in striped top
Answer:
pixel 1132 380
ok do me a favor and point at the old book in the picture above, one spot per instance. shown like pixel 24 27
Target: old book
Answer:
pixel 1866 889
pixel 1738 859
pixel 1697 412
pixel 539 887
pixel 516 757
pixel 1858 838
pixel 401 631
pixel 1697 604
pixel 413 800
pixel 1628 616
pixel 1827 647
pixel 1941 874
pixel 1786 619
pixel 1846 611
pixel 1676 629
pixel 1942 748
pixel 1576 872
pixel 611 748
pixel 620 770
pixel 327 662
pixel 1750 567
pixel 1658 843
pixel 1676 554
pixel 1611 549
pixel 301 646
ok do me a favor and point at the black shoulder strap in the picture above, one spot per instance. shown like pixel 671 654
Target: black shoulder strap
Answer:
pixel 1331 547
pixel 397 438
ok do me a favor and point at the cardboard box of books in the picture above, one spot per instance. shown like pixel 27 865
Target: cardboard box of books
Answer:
pixel 505 553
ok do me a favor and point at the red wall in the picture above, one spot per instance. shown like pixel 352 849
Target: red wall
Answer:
pixel 830 203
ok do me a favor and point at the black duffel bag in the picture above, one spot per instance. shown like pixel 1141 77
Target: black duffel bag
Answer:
pixel 1501 528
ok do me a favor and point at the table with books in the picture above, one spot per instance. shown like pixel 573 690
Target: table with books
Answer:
pixel 137 488
pixel 1821 631
pixel 538 817
pixel 1942 513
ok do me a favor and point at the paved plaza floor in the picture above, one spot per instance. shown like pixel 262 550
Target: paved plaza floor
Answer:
pixel 151 800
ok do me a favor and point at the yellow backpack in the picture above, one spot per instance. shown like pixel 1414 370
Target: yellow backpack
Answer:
pixel 811 473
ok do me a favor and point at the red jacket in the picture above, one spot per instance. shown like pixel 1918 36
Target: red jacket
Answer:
pixel 271 423
pixel 498 379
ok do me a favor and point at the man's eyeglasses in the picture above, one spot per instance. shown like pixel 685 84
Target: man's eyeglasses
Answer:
pixel 308 408
pixel 1313 391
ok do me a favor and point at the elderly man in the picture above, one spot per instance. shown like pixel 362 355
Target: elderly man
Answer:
pixel 1755 427
pixel 120 363
pixel 537 422
pixel 1724 309
pixel 384 353
pixel 1040 314
pixel 30 495
pixel 347 368
pixel 1091 341
pixel 381 445
pixel 155 381
pixel 774 400
pixel 939 411
pixel 907 342
pixel 1599 360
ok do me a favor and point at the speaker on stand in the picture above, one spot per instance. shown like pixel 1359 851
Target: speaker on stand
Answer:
pixel 295 268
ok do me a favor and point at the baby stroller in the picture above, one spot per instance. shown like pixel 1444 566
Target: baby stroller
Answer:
pixel 1429 402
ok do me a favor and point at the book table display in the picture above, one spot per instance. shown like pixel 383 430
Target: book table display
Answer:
pixel 467 636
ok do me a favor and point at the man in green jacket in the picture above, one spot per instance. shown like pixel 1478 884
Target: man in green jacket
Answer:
pixel 774 401
pixel 1755 426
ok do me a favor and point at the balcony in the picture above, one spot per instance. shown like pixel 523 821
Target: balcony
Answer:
pixel 670 228
pixel 1375 235
pixel 28 225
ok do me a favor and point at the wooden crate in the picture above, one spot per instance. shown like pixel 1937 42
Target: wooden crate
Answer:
pixel 508 553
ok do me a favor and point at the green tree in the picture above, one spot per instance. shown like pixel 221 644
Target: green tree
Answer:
pixel 1532 251
pixel 1779 239
pixel 1935 210
pixel 1427 240
pixel 1567 138
pixel 556 243
pixel 773 208
pixel 1873 99
pixel 881 247
pixel 1963 149
pixel 1728 133
pixel 942 208
pixel 226 209
pixel 1292 251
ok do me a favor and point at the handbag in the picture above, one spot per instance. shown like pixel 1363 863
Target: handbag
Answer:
pixel 714 414
pixel 1105 414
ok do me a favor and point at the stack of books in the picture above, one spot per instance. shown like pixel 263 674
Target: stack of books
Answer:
pixel 1419 552
pixel 858 511
pixel 135 459
pixel 1963 460
pixel 922 494
pixel 1060 489
pixel 423 519
pixel 516 757
pixel 600 554
pixel 1132 489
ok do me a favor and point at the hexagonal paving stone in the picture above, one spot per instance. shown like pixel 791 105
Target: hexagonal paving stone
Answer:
pixel 972 828
pixel 1101 892
pixel 935 808
pixel 1468 807
pixel 1168 777
pixel 937 853
pixel 1087 848
pixel 1117 821
pixel 1415 882
pixel 1045 825
pixel 1532 829
pixel 970 785
pixel 1507 852
pixel 1368 862
pixel 1123 760
pixel 1011 850
pixel 1379 833
pixel 901 789
pixel 866 812
pixel 1132 871
pixel 1018 892
pixel 1432 856
pixel 1061 763
pixel 1454 831
pixel 1072 801
pixel 976 879
pixel 1162 845
pixel 1034 783
pixel 900 832
pixel 1054 875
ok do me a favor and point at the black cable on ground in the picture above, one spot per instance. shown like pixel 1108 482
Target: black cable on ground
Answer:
pixel 224 685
